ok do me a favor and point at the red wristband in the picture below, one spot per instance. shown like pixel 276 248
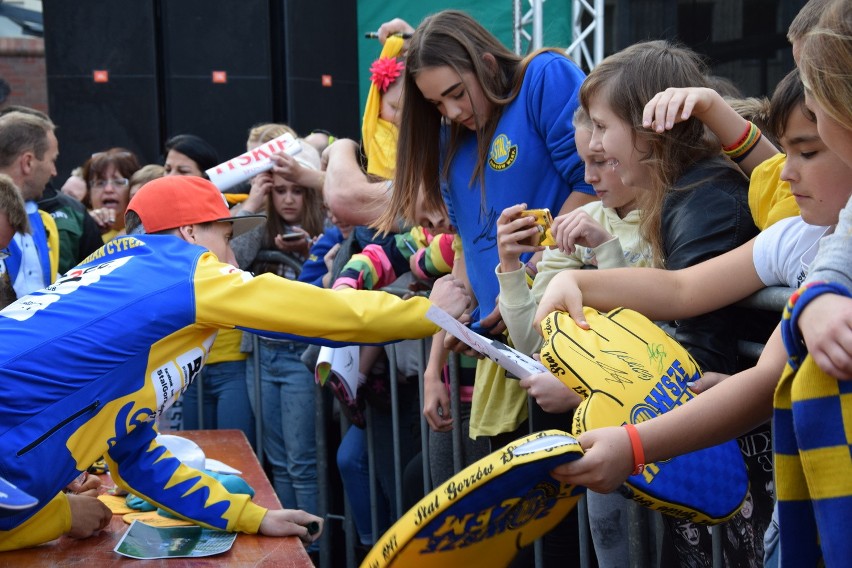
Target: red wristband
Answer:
pixel 636 445
pixel 741 139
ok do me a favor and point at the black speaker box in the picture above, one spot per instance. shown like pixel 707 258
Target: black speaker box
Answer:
pixel 116 40
pixel 213 68
pixel 217 70
pixel 317 45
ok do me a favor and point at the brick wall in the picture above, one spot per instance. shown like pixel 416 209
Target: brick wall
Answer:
pixel 22 66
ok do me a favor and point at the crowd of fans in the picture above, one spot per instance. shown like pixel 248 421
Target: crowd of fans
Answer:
pixel 647 164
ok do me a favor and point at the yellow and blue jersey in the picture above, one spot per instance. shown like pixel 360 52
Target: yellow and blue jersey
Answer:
pixel 88 364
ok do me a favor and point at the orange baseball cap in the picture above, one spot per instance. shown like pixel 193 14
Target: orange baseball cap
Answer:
pixel 174 201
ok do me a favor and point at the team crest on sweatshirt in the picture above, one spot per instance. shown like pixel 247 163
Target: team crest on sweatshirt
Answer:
pixel 502 154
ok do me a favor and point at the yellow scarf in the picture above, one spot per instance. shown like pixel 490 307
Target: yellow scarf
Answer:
pixel 379 136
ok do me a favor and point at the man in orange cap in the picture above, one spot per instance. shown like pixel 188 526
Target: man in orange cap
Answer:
pixel 152 302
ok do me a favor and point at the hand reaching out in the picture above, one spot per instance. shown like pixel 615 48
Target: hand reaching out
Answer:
pixel 449 294
pixel 288 167
pixel 493 323
pixel 607 463
pixel 551 394
pixel 707 380
pixel 287 522
pixel 104 218
pixel 564 295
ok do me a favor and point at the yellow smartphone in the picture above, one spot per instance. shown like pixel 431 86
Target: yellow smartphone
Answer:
pixel 543 220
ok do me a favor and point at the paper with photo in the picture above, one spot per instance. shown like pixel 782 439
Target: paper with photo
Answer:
pixel 146 542
pixel 515 362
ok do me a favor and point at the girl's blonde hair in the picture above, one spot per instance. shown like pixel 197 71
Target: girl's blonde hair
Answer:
pixel 261 133
pixel 628 80
pixel 825 62
pixel 147 173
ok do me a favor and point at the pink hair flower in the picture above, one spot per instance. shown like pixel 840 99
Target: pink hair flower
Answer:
pixel 385 71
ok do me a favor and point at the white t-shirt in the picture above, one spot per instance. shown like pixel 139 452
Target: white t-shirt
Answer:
pixel 784 252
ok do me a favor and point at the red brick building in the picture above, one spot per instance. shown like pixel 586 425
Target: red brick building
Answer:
pixel 22 67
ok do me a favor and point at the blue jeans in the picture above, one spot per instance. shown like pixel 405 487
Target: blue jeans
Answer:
pixel 771 550
pixel 288 414
pixel 225 399
pixel 355 475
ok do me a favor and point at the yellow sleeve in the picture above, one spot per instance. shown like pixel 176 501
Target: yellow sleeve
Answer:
pixel 51 522
pixel 769 198
pixel 226 296
pixel 52 242
pixel 457 247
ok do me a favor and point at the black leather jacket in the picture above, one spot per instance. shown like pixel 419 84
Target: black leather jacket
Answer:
pixel 707 214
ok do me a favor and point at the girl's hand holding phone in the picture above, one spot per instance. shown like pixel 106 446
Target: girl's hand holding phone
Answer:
pixel 297 240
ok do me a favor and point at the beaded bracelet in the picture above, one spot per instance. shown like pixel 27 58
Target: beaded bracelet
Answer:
pixel 746 143
pixel 638 451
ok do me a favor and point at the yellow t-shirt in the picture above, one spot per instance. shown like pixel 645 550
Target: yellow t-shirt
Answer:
pixel 769 198
pixel 498 405
pixel 227 347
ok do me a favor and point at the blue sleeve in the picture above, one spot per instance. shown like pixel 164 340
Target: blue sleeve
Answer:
pixel 451 213
pixel 314 267
pixel 445 188
pixel 551 78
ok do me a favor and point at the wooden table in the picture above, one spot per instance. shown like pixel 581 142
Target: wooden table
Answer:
pixel 228 446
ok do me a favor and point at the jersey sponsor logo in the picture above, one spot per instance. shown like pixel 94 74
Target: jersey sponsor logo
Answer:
pixel 28 306
pixel 174 377
pixel 228 269
pixel 77 277
pixel 503 153
pixel 114 246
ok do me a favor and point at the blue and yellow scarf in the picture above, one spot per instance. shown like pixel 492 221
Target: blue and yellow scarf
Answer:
pixel 813 450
